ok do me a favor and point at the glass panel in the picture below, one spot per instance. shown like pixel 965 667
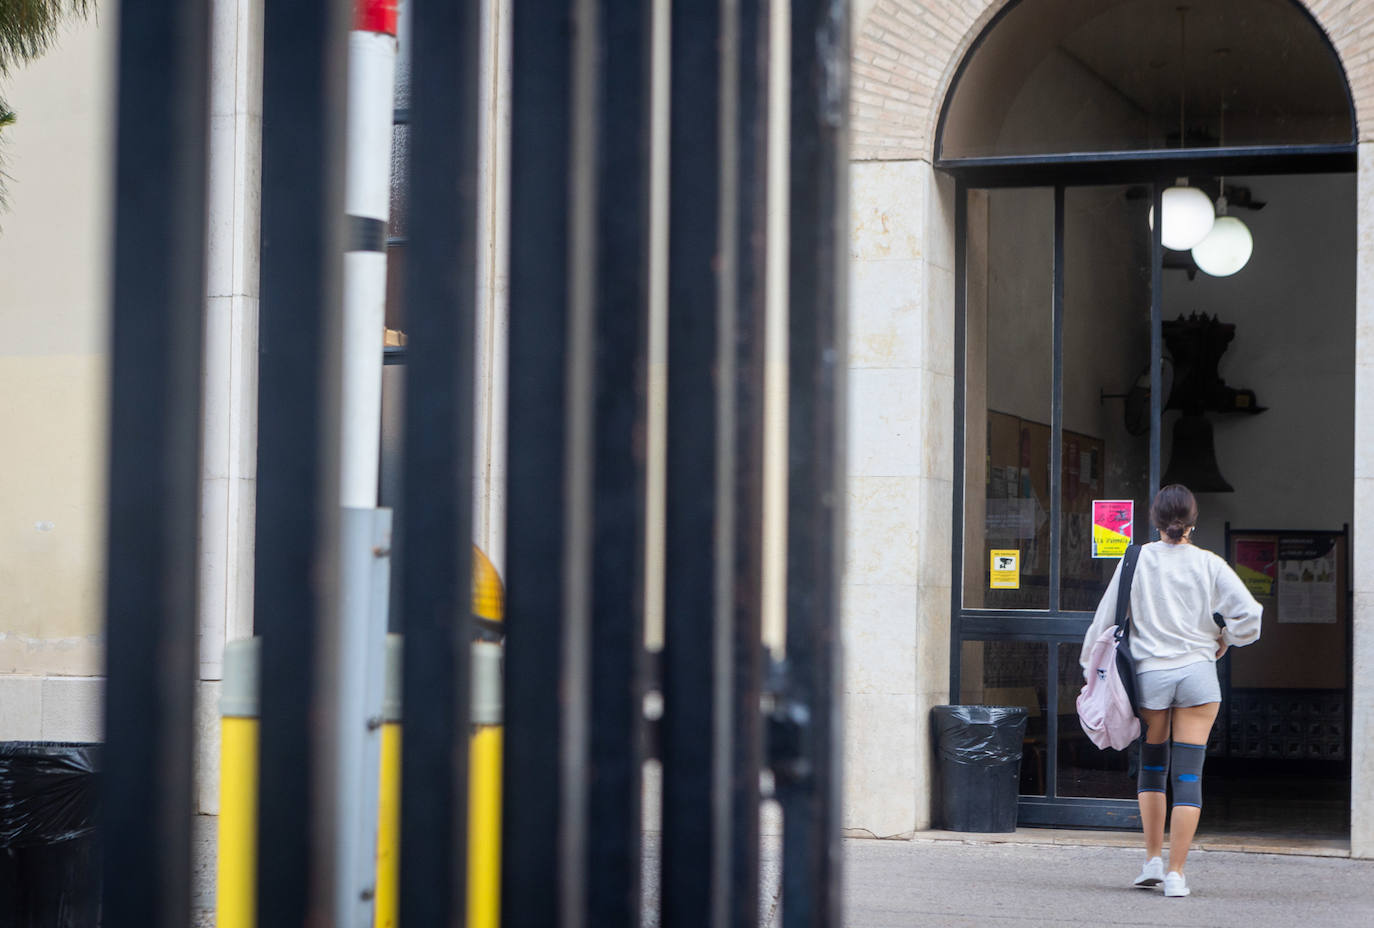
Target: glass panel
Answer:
pixel 1106 441
pixel 1060 76
pixel 1012 673
pixel 1084 769
pixel 1008 381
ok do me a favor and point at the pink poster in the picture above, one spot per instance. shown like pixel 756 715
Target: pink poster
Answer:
pixel 1112 522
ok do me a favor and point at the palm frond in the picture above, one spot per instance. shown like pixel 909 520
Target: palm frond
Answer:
pixel 28 27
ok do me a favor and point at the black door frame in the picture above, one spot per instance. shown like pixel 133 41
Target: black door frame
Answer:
pixel 1054 625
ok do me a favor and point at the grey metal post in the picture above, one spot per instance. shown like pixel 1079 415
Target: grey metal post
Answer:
pixel 365 569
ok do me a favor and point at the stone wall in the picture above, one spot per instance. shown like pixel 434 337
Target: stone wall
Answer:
pixel 906 53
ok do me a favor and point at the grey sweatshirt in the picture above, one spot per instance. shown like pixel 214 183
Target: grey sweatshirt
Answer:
pixel 1173 595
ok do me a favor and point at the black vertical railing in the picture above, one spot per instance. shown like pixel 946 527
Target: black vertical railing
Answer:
pixel 957 575
pixel 750 338
pixel 295 564
pixel 817 279
pixel 1056 475
pixel 576 428
pixel 615 672
pixel 698 605
pixel 1156 352
pixel 154 472
pixel 541 124
pixel 436 494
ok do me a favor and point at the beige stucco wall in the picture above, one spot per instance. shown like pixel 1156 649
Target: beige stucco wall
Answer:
pixel 54 245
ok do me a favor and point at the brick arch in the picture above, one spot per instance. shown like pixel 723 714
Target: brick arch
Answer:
pixel 906 53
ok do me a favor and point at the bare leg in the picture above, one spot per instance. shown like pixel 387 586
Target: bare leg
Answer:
pixel 1192 725
pixel 1152 806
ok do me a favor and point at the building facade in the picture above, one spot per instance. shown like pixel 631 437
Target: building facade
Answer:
pixel 941 330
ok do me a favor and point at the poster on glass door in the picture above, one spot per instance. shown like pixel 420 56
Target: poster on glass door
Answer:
pixel 1112 521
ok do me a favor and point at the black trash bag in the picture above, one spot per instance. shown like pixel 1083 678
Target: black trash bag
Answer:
pixel 978 761
pixel 49 859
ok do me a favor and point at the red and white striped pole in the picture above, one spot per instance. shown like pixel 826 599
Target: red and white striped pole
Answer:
pixel 367 200
pixel 372 47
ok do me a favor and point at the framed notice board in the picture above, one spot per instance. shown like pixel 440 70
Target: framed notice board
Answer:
pixel 1287 696
pixel 1302 579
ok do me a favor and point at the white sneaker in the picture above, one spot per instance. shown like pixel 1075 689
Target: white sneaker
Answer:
pixel 1175 884
pixel 1151 875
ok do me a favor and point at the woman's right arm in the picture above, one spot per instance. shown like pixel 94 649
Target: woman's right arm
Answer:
pixel 1233 601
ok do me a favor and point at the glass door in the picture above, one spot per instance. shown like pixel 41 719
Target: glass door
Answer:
pixel 1059 341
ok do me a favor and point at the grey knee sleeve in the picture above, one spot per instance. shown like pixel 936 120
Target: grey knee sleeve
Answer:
pixel 1187 773
pixel 1154 768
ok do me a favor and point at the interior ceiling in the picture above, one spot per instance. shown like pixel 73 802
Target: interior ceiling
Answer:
pixel 1264 56
pixel 1102 75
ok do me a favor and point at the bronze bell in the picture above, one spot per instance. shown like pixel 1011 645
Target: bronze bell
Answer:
pixel 1193 461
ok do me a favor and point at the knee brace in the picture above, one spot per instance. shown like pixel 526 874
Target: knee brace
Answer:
pixel 1187 773
pixel 1154 768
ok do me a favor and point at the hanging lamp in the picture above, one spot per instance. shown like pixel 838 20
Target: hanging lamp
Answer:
pixel 1188 212
pixel 1227 248
pixel 1188 216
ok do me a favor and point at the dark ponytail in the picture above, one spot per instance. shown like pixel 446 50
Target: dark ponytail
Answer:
pixel 1174 511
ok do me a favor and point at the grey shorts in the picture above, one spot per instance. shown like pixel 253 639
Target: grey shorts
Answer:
pixel 1192 685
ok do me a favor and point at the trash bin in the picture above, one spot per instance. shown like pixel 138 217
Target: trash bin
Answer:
pixel 978 756
pixel 49 857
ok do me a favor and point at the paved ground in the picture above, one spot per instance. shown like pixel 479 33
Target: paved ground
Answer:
pixel 1034 880
pixel 953 885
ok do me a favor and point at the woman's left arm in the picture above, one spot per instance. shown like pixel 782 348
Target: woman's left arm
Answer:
pixel 1233 601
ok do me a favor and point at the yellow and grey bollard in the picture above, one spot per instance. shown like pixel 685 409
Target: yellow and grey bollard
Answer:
pixel 484 751
pixel 484 788
pixel 386 905
pixel 484 766
pixel 236 884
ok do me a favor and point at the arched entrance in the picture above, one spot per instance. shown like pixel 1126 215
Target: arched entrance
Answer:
pixel 1092 374
pixel 1046 183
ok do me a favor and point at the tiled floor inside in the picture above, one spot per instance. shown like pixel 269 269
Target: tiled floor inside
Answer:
pixel 1271 816
pixel 1296 810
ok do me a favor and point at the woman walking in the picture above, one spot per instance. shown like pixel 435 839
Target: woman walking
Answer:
pixel 1176 643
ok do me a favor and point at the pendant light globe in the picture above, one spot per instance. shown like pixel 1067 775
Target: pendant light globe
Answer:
pixel 1226 249
pixel 1188 216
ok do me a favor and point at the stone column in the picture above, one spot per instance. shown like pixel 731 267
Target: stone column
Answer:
pixel 229 466
pixel 493 285
pixel 897 582
pixel 1361 550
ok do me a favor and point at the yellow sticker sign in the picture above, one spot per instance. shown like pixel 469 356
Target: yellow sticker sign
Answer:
pixel 1006 569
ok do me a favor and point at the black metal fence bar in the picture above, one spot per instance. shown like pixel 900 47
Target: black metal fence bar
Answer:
pixel 295 569
pixel 1056 416
pixel 697 617
pixel 956 597
pixel 1156 353
pixel 616 672
pixel 154 476
pixel 817 276
pixel 537 434
pixel 751 219
pixel 436 496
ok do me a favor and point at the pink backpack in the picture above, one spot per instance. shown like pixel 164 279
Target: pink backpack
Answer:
pixel 1104 709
